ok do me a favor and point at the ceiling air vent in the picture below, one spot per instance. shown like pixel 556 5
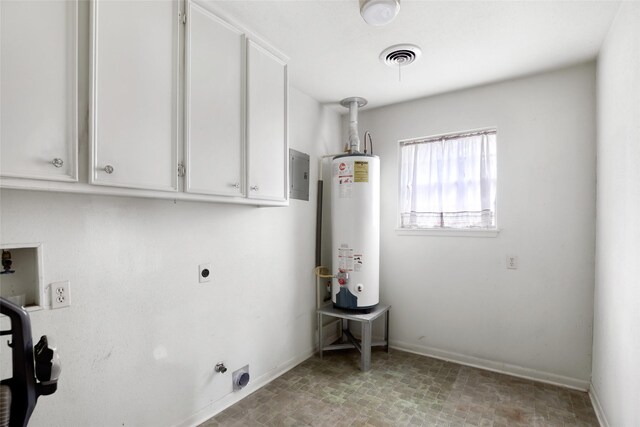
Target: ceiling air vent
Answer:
pixel 400 55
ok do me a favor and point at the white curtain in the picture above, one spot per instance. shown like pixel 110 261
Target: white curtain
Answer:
pixel 449 183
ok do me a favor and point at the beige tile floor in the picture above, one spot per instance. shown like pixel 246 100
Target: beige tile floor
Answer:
pixel 404 389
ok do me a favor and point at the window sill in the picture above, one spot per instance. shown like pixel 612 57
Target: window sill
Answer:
pixel 446 232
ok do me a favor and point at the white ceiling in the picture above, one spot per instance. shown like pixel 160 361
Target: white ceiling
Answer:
pixel 334 53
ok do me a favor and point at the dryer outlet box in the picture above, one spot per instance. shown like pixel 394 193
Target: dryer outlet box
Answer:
pixel 204 273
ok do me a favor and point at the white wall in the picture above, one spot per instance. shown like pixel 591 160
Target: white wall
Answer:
pixel 616 340
pixel 141 338
pixel 453 296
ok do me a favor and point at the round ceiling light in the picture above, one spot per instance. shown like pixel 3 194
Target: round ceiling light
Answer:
pixel 379 12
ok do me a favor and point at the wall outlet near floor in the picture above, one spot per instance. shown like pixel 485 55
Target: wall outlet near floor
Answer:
pixel 204 273
pixel 512 262
pixel 60 294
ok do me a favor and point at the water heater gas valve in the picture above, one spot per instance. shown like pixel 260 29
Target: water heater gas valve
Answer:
pixel 343 277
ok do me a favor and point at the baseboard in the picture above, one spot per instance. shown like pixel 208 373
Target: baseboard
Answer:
pixel 491 365
pixel 234 397
pixel 595 402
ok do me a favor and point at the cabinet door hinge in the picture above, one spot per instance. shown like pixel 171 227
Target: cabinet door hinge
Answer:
pixel 182 17
pixel 181 169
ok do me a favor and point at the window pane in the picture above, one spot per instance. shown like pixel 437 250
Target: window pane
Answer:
pixel 449 182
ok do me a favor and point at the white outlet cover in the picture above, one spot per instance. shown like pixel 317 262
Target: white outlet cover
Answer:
pixel 512 262
pixel 204 273
pixel 60 294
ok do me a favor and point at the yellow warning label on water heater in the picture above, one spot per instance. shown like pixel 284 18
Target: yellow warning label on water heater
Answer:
pixel 361 172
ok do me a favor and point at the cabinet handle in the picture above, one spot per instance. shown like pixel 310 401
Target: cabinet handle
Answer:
pixel 236 185
pixel 255 188
pixel 57 162
pixel 108 169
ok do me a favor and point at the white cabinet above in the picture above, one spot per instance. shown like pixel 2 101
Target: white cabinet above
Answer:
pixel 38 79
pixel 236 112
pixel 134 94
pixel 214 105
pixel 267 124
pixel 183 103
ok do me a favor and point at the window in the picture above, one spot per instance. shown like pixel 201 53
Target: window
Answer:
pixel 449 182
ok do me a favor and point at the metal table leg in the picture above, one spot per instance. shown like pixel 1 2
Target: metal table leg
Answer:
pixel 320 340
pixel 386 330
pixel 365 363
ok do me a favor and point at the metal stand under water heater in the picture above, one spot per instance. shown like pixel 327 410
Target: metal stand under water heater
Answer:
pixel 355 213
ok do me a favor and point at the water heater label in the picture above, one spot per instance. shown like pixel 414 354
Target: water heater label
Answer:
pixel 357 262
pixel 361 172
pixel 343 172
pixel 345 258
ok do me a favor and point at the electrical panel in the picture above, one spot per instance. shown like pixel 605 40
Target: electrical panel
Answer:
pixel 298 175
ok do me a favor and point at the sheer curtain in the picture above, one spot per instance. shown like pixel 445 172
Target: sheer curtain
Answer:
pixel 449 182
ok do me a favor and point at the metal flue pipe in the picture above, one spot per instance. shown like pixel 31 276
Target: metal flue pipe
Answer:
pixel 353 104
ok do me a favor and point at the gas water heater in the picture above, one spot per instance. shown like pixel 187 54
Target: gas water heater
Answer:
pixel 355 219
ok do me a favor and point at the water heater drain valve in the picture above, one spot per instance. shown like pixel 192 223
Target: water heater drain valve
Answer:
pixel 343 278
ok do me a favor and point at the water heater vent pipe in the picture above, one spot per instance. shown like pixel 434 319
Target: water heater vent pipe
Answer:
pixel 353 104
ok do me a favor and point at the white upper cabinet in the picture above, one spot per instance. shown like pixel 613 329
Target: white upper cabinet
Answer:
pixel 134 94
pixel 38 83
pixel 266 124
pixel 214 95
pixel 184 103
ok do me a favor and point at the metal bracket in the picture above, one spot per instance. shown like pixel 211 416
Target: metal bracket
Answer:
pixel 181 169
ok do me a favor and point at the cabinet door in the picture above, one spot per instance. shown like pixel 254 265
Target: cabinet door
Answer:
pixel 214 105
pixel 134 109
pixel 267 124
pixel 38 113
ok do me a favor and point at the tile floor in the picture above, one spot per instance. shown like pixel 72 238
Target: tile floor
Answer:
pixel 404 389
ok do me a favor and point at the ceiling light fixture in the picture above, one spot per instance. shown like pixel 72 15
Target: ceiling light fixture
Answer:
pixel 379 12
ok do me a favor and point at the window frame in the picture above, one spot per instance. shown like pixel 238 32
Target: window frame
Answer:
pixel 453 232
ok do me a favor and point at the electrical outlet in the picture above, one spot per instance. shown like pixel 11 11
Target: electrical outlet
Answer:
pixel 60 294
pixel 204 273
pixel 512 262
